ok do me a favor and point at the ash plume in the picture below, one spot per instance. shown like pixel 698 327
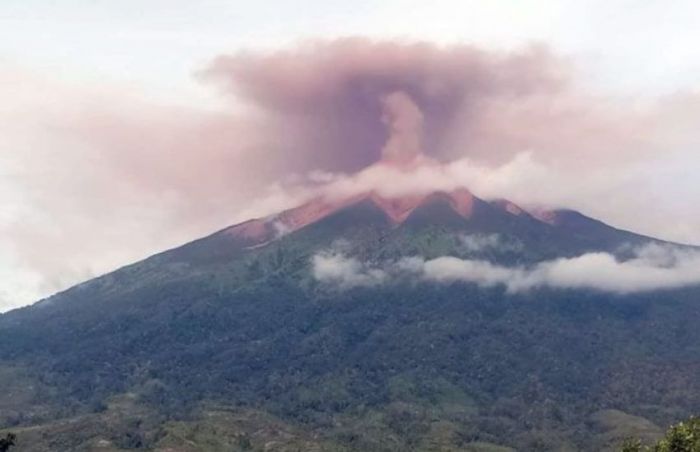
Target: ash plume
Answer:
pixel 330 96
pixel 404 122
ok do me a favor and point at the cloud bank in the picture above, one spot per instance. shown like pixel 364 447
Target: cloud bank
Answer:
pixel 652 267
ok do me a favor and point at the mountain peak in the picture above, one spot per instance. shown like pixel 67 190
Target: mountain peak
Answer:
pixel 510 207
pixel 399 208
pixel 396 208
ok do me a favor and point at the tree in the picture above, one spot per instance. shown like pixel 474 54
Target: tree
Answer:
pixel 7 442
pixel 632 445
pixel 682 437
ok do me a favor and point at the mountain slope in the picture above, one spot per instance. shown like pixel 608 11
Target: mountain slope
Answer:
pixel 238 320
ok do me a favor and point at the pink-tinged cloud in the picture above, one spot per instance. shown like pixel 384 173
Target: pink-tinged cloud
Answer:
pixel 404 122
pixel 335 92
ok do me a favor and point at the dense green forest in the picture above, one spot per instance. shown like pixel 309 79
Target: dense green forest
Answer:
pixel 216 346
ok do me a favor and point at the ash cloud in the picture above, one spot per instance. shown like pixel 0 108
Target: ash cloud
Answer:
pixel 331 95
pixel 404 122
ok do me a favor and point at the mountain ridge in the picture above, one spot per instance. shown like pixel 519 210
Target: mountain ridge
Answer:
pixel 260 231
pixel 241 321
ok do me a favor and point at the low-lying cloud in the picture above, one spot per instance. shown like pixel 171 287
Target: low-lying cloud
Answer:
pixel 652 267
pixel 346 272
pixel 477 243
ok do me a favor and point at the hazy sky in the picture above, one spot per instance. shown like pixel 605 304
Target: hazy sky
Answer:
pixel 115 142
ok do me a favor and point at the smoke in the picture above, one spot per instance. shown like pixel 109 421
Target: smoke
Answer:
pixel 405 127
pixel 651 267
pixel 332 100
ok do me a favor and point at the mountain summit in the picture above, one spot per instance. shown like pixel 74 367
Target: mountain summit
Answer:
pixel 439 321
pixel 396 209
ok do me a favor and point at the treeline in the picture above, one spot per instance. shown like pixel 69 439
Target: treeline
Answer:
pixel 681 437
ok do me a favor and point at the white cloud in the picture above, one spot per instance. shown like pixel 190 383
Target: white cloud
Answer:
pixel 652 267
pixel 346 272
pixel 448 269
pixel 475 243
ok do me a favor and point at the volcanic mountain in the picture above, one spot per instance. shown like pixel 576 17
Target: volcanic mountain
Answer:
pixel 236 342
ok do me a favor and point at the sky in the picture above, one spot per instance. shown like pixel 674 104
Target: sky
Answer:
pixel 130 127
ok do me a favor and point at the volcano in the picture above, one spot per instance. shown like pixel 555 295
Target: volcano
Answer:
pixel 233 342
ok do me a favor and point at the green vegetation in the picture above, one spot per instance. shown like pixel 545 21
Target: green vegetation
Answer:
pixel 681 437
pixel 216 347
